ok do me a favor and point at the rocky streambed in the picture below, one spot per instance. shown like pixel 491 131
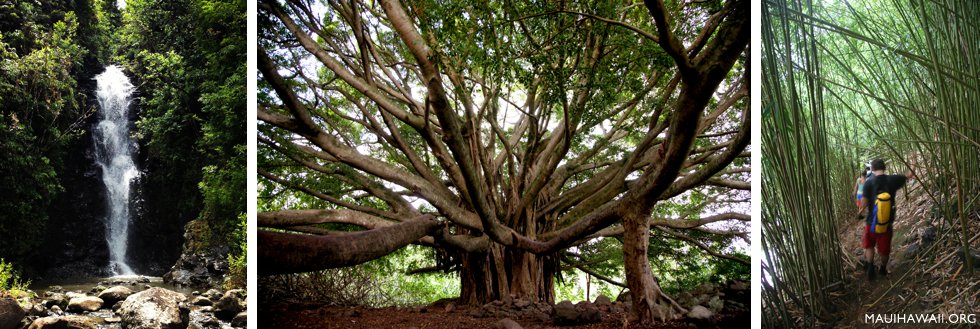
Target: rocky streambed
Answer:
pixel 132 303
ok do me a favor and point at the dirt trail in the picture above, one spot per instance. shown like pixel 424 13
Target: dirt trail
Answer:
pixel 907 287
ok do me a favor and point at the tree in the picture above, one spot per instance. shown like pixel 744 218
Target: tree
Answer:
pixel 525 129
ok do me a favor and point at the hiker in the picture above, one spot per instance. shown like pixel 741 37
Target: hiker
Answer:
pixel 879 201
pixel 859 185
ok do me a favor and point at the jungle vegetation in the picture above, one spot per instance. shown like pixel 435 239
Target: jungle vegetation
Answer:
pixel 187 59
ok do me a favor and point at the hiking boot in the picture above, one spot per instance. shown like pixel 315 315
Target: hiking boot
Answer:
pixel 870 269
pixel 882 270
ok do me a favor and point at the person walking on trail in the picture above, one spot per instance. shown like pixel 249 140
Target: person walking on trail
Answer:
pixel 879 200
pixel 859 184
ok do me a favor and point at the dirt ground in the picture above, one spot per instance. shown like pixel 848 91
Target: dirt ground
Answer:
pixel 312 316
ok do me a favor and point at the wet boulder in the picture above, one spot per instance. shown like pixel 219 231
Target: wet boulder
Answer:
pixel 56 299
pixel 10 313
pixel 69 321
pixel 212 294
pixel 201 301
pixel 201 319
pixel 199 266
pixel 240 320
pixel 115 294
pixel 98 288
pixel 73 294
pixel 85 304
pixel 229 305
pixel 155 308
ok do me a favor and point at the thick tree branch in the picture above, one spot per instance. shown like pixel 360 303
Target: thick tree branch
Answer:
pixel 732 184
pixel 678 223
pixel 280 253
pixel 453 131
pixel 287 218
pixel 668 41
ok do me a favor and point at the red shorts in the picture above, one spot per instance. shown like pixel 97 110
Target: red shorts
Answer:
pixel 882 240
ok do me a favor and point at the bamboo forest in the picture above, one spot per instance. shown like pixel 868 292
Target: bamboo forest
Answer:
pixel 122 174
pixel 452 164
pixel 870 105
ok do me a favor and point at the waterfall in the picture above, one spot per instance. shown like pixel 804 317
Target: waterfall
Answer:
pixel 114 155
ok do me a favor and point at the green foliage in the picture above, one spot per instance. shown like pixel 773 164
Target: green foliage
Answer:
pixel 189 57
pixel 678 265
pixel 40 113
pixel 28 185
pixel 238 257
pixel 379 283
pixel 10 281
pixel 571 290
pixel 223 210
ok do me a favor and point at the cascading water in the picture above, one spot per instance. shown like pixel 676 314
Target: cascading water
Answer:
pixel 113 153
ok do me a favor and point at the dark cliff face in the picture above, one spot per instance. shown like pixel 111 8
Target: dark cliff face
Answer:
pixel 156 233
pixel 167 199
pixel 75 241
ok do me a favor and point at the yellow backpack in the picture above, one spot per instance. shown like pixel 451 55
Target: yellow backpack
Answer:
pixel 881 215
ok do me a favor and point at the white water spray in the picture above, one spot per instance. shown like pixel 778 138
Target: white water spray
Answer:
pixel 113 154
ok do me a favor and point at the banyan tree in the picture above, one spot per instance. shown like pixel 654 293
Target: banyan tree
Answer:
pixel 502 134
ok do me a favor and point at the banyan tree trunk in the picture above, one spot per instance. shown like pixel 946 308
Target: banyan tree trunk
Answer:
pixel 503 274
pixel 644 290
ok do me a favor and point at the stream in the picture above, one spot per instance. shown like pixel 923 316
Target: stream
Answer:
pixel 130 301
pixel 87 284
